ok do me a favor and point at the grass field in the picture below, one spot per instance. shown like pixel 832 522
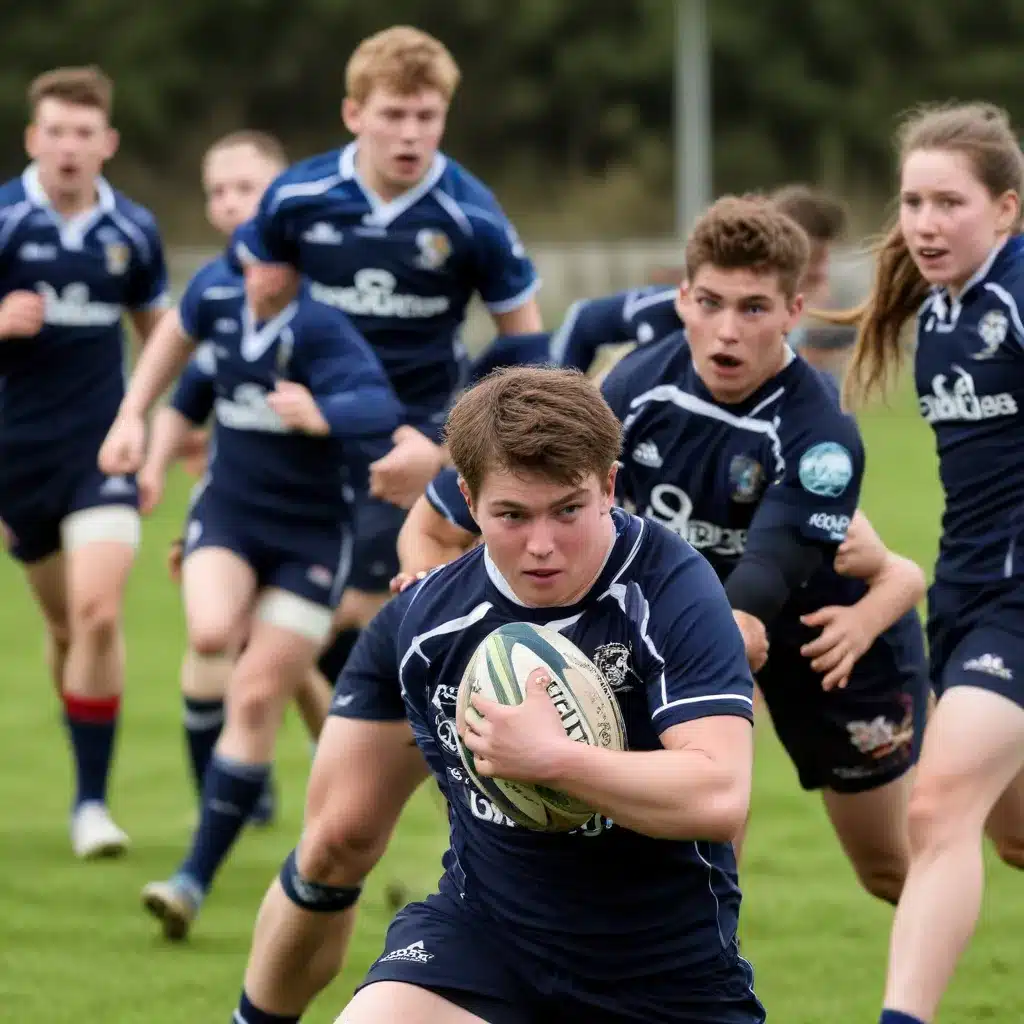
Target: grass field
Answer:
pixel 75 946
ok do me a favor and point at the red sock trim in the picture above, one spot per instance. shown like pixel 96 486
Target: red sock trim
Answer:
pixel 94 710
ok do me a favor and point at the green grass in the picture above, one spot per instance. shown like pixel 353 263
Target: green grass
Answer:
pixel 75 946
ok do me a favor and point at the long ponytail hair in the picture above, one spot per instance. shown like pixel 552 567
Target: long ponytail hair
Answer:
pixel 983 134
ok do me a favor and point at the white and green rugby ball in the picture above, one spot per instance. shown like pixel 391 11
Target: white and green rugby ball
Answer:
pixel 590 714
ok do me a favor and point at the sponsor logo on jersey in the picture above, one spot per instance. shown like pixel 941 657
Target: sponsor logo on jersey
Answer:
pixel 672 507
pixel 961 401
pixel 826 469
pixel 72 307
pixel 832 524
pixel 646 453
pixel 374 294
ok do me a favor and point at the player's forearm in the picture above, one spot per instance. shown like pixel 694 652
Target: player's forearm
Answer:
pixel 168 433
pixel 162 359
pixel 667 794
pixel 368 412
pixel 892 592
pixel 428 540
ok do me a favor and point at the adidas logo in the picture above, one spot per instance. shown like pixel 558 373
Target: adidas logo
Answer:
pixel 647 454
pixel 990 664
pixel 322 234
pixel 411 954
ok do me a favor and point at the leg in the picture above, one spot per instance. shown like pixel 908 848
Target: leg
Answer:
pixel 872 828
pixel 973 749
pixel 48 582
pixel 313 699
pixel 398 1000
pixel 204 682
pixel 99 549
pixel 363 775
pixel 285 634
pixel 1005 825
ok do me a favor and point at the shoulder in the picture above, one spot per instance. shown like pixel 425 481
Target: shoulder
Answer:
pixel 666 562
pixel 304 180
pixel 647 367
pixel 12 197
pixel 448 599
pixel 135 213
pixel 468 200
pixel 812 408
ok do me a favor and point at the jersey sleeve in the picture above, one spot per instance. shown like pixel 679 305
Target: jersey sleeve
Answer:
pixel 147 273
pixel 505 275
pixel 447 500
pixel 696 665
pixel 368 687
pixel 345 377
pixel 589 324
pixel 820 467
pixel 270 236
pixel 194 394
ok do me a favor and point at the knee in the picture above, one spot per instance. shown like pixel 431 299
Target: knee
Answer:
pixel 883 875
pixel 340 848
pixel 96 616
pixel 211 639
pixel 934 817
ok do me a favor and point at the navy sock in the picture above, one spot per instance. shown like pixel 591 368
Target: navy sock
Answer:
pixel 249 1014
pixel 898 1017
pixel 230 792
pixel 332 661
pixel 203 722
pixel 92 726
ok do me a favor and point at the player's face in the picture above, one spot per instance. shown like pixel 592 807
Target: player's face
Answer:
pixel 398 134
pixel 736 325
pixel 69 143
pixel 234 179
pixel 949 219
pixel 549 541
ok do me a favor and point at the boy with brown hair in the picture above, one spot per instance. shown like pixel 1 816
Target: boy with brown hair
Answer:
pixel 75 256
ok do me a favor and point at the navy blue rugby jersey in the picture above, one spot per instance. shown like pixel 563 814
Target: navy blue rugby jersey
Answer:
pixel 404 271
pixel 969 371
pixel 603 900
pixel 256 459
pixel 65 384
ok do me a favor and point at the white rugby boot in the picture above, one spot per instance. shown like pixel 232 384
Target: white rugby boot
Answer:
pixel 94 834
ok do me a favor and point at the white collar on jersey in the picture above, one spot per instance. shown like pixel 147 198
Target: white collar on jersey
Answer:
pixel 941 300
pixel 383 212
pixel 505 588
pixel 72 230
pixel 255 342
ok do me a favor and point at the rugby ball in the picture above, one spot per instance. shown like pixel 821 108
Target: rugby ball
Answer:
pixel 589 711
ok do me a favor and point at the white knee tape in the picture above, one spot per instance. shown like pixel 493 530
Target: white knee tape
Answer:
pixel 296 614
pixel 118 524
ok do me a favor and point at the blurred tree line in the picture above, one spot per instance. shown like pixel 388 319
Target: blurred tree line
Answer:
pixel 566 105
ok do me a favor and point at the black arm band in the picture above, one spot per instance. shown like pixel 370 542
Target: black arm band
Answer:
pixel 776 562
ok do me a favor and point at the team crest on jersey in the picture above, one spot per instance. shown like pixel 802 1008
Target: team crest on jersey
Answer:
pixel 993 328
pixel 612 661
pixel 747 479
pixel 826 469
pixel 435 247
pixel 118 256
